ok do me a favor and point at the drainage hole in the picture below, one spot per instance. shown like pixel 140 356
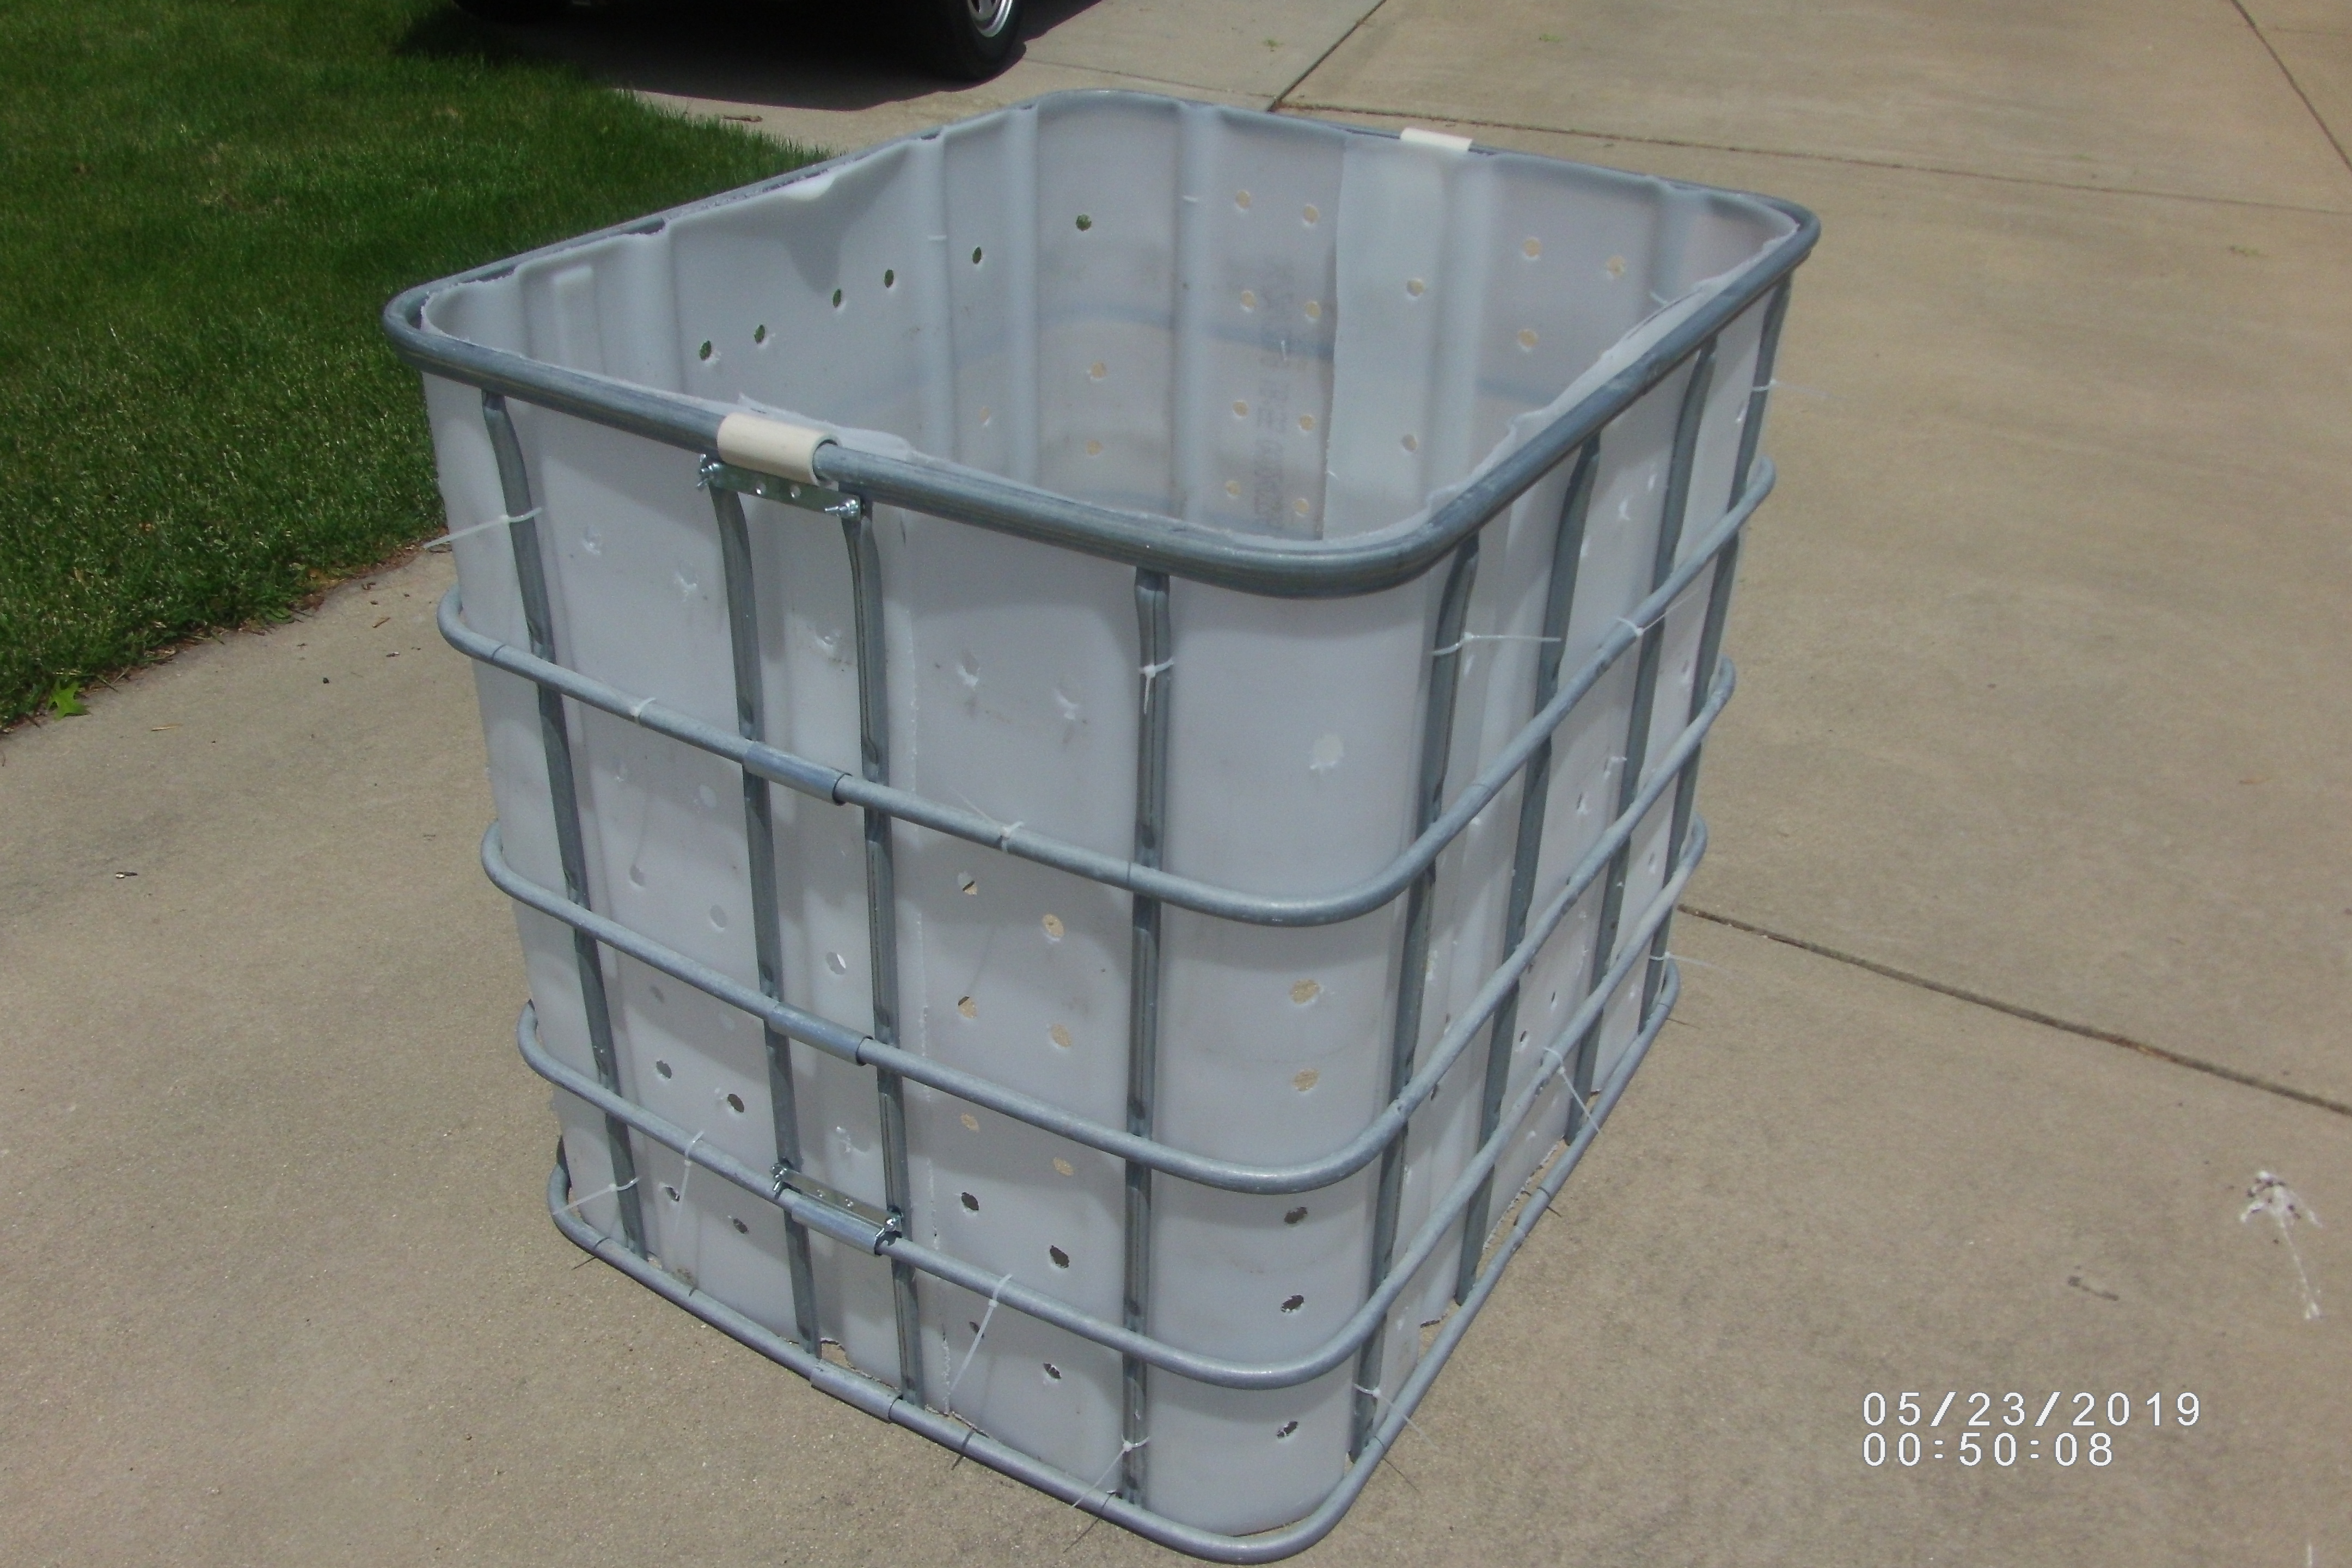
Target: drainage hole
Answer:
pixel 760 333
pixel 704 352
pixel 975 256
pixel 971 1203
pixel 1295 1215
pixel 669 1191
pixel 1061 1258
pixel 1292 1304
pixel 663 1068
pixel 1052 1372
pixel 889 279
pixel 740 1228
pixel 1285 1429
pixel 735 1103
pixel 1085 223
pixel 836 298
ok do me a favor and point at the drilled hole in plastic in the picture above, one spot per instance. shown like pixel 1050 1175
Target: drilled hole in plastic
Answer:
pixel 1053 924
pixel 967 1007
pixel 1531 248
pixel 1232 486
pixel 1292 1303
pixel 1285 1429
pixel 1249 298
pixel 1304 1078
pixel 1616 266
pixel 1060 1034
pixel 1314 310
pixel 669 1191
pixel 1412 442
pixel 735 1103
pixel 1415 287
pixel 836 298
pixel 1097 371
pixel 971 1203
pixel 970 1122
pixel 890 278
pixel 1306 422
pixel 972 1324
pixel 1240 409
pixel 1521 1043
pixel 1242 200
pixel 760 333
pixel 1094 448
pixel 655 993
pixel 1061 1258
pixel 975 256
pixel 837 964
pixel 1085 223
pixel 1295 1215
pixel 1063 1167
pixel 1300 506
pixel 1527 337
pixel 1304 991
pixel 740 1228
pixel 1308 215
pixel 662 1067
pixel 704 352
pixel 967 883
pixel 1052 1372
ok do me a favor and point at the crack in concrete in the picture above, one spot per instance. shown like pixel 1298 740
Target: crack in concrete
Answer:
pixel 1436 117
pixel 2029 1014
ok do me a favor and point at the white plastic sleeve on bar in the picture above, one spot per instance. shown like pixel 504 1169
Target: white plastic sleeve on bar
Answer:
pixel 1415 136
pixel 770 446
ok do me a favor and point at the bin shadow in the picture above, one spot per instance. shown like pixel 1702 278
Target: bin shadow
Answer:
pixel 785 54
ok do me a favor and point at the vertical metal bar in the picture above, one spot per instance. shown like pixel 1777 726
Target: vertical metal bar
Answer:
pixel 563 797
pixel 1535 784
pixel 1718 607
pixel 1156 641
pixel 882 918
pixel 759 850
pixel 1637 724
pixel 1413 974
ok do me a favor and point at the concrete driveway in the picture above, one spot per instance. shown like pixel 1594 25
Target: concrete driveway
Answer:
pixel 2023 950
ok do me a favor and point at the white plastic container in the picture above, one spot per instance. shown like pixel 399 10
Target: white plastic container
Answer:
pixel 1300 339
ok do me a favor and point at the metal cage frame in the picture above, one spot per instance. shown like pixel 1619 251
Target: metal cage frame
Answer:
pixel 850 484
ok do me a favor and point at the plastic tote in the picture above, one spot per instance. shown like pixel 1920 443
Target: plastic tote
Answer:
pixel 1094 716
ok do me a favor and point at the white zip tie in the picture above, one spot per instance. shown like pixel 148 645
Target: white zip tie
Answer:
pixel 573 1206
pixel 446 540
pixel 1490 636
pixel 1151 672
pixel 1125 1448
pixel 948 1399
pixel 1004 830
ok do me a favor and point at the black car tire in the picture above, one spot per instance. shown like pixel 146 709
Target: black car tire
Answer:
pixel 970 40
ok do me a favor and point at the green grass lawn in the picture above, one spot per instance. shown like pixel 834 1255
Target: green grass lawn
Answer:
pixel 203 205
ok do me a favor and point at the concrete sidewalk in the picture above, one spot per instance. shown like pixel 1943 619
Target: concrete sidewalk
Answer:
pixel 2027 930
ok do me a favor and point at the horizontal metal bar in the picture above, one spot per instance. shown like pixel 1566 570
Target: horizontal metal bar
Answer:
pixel 1344 1341
pixel 878 1399
pixel 823 782
pixel 1251 564
pixel 1228 1176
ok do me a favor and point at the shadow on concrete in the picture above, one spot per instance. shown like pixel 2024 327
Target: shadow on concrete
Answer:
pixel 795 54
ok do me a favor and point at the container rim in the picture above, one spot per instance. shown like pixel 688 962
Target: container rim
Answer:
pixel 1265 565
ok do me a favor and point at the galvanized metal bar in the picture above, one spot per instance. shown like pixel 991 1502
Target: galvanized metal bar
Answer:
pixel 563 794
pixel 882 917
pixel 1718 602
pixel 836 1217
pixel 1672 507
pixel 1253 565
pixel 760 852
pixel 822 782
pixel 1413 970
pixel 1224 1174
pixel 880 1401
pixel 1560 598
pixel 1155 640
